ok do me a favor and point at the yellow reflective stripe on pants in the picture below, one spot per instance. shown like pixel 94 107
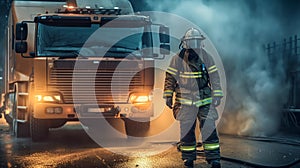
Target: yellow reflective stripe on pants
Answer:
pixel 211 146
pixel 187 148
pixel 168 93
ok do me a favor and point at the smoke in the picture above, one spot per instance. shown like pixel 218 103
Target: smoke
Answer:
pixel 256 89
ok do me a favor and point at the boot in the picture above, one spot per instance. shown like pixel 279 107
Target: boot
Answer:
pixel 215 164
pixel 188 163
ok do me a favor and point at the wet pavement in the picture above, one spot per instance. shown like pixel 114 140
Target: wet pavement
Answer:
pixel 70 146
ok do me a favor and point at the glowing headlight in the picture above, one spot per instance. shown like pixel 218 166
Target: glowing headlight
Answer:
pixel 69 6
pixel 48 98
pixel 139 98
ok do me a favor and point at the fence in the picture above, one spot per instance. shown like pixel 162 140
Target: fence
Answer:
pixel 288 52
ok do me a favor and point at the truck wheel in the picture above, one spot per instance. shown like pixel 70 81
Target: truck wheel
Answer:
pixel 137 128
pixel 20 129
pixel 38 128
pixel 17 129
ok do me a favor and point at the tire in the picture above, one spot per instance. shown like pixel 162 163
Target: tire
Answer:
pixel 17 129
pixel 137 128
pixel 39 129
pixel 20 130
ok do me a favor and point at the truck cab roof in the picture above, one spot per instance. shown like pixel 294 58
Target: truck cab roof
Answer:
pixel 64 18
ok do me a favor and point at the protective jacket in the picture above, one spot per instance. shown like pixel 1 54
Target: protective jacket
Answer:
pixel 191 75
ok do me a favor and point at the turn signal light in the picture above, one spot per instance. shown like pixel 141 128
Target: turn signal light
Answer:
pixel 54 110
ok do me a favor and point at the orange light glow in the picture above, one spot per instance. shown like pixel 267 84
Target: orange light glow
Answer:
pixel 142 99
pixel 69 6
pixel 38 97
pixel 139 99
pixel 69 110
pixel 47 98
pixel 7 111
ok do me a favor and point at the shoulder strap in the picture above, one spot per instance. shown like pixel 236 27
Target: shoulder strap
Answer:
pixel 181 53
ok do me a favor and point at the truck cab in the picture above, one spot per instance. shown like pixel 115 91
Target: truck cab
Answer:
pixel 80 62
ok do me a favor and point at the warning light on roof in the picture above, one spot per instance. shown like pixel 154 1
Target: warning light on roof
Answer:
pixel 69 7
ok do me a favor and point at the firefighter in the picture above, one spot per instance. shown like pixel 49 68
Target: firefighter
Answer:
pixel 194 80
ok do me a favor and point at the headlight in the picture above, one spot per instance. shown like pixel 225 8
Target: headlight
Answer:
pixel 139 98
pixel 55 98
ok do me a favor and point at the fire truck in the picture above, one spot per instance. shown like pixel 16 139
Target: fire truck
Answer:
pixel 79 60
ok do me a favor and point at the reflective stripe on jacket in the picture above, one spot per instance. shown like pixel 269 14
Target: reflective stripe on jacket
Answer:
pixel 186 76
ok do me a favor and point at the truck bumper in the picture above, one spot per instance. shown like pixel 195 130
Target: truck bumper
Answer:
pixel 71 112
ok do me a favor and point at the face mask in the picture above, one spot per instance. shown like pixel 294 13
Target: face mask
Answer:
pixel 193 43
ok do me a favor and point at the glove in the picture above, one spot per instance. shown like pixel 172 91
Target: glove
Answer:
pixel 216 101
pixel 169 102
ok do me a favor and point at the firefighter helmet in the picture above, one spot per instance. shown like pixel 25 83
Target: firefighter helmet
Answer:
pixel 192 39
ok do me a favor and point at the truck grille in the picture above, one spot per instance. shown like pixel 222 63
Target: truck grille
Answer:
pixel 102 86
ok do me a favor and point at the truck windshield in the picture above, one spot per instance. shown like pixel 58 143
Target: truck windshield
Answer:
pixel 60 41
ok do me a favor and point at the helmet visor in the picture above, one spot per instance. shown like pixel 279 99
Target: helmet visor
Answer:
pixel 193 43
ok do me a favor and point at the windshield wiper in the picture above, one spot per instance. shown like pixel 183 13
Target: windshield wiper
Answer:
pixel 74 54
pixel 78 55
pixel 119 52
pixel 122 49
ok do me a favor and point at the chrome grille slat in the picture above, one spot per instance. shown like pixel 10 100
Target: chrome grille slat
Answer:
pixel 86 83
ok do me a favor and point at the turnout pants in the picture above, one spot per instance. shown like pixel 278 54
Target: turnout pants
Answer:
pixel 187 116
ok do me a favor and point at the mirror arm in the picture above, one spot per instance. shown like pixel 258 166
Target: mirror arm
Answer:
pixel 25 56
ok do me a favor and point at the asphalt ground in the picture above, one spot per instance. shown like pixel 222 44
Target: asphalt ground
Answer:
pixel 71 146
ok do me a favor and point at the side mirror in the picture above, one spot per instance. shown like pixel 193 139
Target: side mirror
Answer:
pixel 164 49
pixel 21 31
pixel 21 47
pixel 164 36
